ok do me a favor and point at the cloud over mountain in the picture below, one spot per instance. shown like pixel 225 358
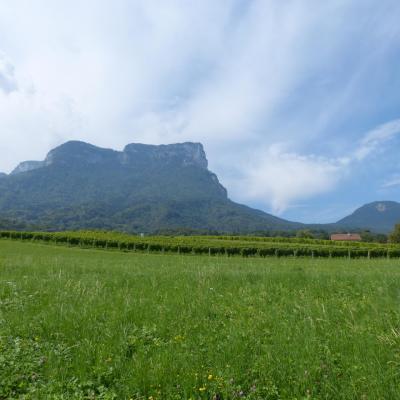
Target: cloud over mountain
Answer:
pixel 280 96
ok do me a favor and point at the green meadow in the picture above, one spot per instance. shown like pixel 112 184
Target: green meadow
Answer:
pixel 96 324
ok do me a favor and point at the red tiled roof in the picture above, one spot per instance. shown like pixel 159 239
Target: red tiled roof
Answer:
pixel 346 236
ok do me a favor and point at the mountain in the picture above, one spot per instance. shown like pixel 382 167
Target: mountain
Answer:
pixel 379 216
pixel 143 188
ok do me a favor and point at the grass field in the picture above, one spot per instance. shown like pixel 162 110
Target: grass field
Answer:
pixel 92 324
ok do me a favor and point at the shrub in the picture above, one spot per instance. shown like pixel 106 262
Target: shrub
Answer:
pixel 26 235
pixel 200 250
pixel 303 252
pixel 337 252
pixel 112 244
pixel 216 250
pixel 357 253
pixel 185 249
pixel 231 251
pixel 375 253
pixel 265 252
pixel 248 251
pixel 284 252
pixel 154 247
pixel 322 252
pixel 393 253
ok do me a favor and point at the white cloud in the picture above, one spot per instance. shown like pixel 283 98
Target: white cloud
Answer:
pixel 394 181
pixel 157 72
pixel 8 82
pixel 121 70
pixel 278 178
pixel 253 73
pixel 233 74
pixel 376 138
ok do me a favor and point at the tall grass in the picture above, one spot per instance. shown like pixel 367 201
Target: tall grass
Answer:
pixel 91 324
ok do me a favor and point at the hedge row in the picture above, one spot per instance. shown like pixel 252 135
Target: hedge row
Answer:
pixel 278 239
pixel 193 245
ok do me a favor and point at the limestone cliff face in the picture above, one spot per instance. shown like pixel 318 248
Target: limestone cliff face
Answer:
pixel 182 153
pixel 153 170
pixel 77 153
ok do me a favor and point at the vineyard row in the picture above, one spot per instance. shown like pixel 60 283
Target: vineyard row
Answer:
pixel 203 245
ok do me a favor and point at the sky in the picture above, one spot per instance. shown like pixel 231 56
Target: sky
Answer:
pixel 296 102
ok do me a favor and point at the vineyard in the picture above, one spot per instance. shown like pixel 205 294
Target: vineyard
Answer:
pixel 244 246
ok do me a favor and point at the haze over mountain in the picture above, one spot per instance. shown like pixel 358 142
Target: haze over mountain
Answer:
pixel 144 188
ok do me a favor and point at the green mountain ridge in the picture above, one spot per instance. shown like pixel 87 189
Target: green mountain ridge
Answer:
pixel 145 188
pixel 379 216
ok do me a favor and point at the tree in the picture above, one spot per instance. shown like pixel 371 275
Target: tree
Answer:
pixel 305 234
pixel 371 237
pixel 394 237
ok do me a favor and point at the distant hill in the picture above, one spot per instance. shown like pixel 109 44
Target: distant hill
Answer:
pixel 379 216
pixel 143 188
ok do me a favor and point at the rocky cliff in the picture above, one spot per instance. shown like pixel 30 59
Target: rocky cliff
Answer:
pixel 143 188
pixel 76 152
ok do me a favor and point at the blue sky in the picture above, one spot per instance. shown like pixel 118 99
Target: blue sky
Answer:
pixel 296 102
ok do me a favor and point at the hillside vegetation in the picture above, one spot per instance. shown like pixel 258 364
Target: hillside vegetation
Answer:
pixel 143 188
pixel 380 216
pixel 146 188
